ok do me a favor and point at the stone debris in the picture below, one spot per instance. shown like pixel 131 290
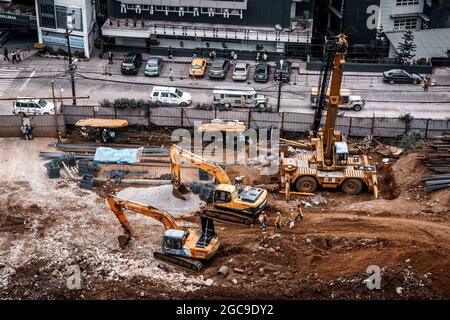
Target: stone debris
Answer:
pixel 161 197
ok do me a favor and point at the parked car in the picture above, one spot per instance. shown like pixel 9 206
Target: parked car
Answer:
pixel 154 66
pixel 401 76
pixel 219 69
pixel 284 70
pixel 131 63
pixel 170 96
pixel 197 67
pixel 27 107
pixel 4 37
pixel 241 71
pixel 262 72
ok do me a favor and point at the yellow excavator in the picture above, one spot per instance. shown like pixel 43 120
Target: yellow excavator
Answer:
pixel 185 248
pixel 330 164
pixel 229 202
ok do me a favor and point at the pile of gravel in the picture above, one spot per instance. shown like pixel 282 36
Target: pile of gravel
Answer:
pixel 161 197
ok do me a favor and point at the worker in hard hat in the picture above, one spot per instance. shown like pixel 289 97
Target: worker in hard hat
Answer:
pixel 295 215
pixel 278 222
pixel 262 220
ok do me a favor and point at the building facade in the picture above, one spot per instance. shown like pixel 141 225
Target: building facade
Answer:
pixel 238 24
pixel 52 23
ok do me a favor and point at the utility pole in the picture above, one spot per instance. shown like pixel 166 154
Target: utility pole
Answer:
pixel 280 84
pixel 72 66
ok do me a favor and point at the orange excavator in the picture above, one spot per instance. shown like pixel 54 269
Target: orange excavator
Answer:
pixel 229 202
pixel 185 248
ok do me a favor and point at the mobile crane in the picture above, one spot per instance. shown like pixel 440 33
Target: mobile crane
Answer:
pixel 330 165
pixel 229 202
pixel 186 248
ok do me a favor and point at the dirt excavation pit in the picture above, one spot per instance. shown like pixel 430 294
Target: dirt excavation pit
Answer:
pixel 48 226
pixel 161 198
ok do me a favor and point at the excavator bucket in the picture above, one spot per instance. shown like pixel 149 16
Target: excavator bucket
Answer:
pixel 123 240
pixel 181 191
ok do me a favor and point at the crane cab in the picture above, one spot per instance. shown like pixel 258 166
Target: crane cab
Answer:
pixel 340 153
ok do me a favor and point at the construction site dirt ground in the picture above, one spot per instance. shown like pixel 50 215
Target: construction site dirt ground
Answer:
pixel 49 226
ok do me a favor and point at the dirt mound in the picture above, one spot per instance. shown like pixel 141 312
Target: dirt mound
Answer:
pixel 408 170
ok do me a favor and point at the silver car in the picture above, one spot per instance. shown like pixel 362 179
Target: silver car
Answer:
pixel 241 71
pixel 154 66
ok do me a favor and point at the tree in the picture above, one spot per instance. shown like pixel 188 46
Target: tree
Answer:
pixel 406 49
pixel 378 48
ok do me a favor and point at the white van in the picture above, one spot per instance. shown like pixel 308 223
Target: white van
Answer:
pixel 29 106
pixel 170 96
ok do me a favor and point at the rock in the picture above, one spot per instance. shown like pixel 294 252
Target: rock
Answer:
pixel 223 271
pixel 142 293
pixel 209 282
pixel 307 205
pixel 399 290
pixel 318 200
pixel 308 241
pixel 238 270
pixel 276 235
pixel 261 271
pixel 408 260
pixel 272 250
pixel 234 281
pixel 266 245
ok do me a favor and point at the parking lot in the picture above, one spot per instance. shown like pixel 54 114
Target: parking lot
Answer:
pixel 99 80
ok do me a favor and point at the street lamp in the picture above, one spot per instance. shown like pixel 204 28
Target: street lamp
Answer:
pixel 72 66
pixel 280 84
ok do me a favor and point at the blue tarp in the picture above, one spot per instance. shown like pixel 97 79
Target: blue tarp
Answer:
pixel 110 155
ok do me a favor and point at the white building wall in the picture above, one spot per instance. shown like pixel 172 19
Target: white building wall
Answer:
pixel 88 17
pixel 389 7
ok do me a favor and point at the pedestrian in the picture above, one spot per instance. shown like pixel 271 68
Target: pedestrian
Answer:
pixel 194 55
pixel 262 220
pixel 426 83
pixel 264 57
pixel 235 57
pixel 110 57
pixel 171 74
pixel 278 222
pixel 232 54
pixel 29 132
pixel 258 57
pixel 59 137
pixel 23 130
pixel 13 56
pixel 18 53
pixel 104 136
pixel 170 52
pixel 112 136
pixel 5 54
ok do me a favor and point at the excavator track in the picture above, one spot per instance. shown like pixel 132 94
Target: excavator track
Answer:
pixel 187 263
pixel 227 216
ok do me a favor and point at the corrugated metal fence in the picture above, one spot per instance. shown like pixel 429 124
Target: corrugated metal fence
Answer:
pixel 43 125
pixel 288 121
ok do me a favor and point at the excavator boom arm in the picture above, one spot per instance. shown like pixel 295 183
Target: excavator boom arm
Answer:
pixel 118 206
pixel 176 153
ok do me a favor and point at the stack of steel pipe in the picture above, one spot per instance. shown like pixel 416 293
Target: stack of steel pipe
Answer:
pixel 437 158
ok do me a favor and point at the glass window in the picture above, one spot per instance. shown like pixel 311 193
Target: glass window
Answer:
pixel 179 92
pixel 42 103
pixel 405 23
pixel 164 94
pixel 406 2
pixel 155 94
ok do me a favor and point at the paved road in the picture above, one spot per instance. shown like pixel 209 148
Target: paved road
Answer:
pixel 32 78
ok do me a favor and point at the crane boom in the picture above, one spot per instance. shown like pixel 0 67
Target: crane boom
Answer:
pixel 118 206
pixel 177 152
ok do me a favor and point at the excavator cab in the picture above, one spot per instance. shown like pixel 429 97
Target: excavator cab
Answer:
pixel 173 242
pixel 340 153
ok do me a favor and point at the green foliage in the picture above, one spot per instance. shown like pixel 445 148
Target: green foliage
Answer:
pixel 406 49
pixel 126 103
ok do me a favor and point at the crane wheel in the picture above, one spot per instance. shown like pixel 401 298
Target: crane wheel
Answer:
pixel 352 186
pixel 306 184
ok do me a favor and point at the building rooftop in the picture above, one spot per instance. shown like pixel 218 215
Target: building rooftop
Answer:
pixel 433 43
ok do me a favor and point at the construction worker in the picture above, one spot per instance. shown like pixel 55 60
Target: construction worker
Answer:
pixel 298 213
pixel 278 222
pixel 171 74
pixel 59 137
pixel 104 136
pixel 426 83
pixel 262 220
